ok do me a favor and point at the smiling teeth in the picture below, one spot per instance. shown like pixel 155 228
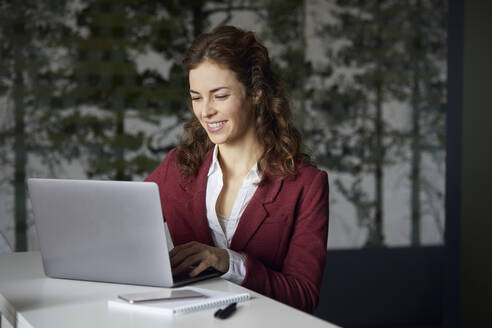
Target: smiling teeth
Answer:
pixel 216 125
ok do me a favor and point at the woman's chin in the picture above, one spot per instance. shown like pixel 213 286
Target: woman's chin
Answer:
pixel 217 139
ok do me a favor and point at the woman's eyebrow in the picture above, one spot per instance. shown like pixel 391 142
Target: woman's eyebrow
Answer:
pixel 217 89
pixel 211 91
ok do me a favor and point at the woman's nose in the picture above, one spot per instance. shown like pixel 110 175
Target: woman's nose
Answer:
pixel 209 109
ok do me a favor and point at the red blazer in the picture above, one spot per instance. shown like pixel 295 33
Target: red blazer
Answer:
pixel 283 231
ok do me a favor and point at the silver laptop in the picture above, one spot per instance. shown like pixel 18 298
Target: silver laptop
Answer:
pixel 109 231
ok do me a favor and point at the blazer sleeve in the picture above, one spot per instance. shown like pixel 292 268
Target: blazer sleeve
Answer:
pixel 299 280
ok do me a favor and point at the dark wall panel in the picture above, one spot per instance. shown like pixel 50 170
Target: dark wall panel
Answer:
pixel 476 197
pixel 383 287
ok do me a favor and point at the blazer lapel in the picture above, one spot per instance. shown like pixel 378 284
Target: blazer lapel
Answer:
pixel 196 189
pixel 255 213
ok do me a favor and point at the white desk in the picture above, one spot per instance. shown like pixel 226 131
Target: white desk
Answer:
pixel 29 299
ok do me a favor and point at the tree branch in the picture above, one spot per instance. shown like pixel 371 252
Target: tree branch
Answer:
pixel 231 8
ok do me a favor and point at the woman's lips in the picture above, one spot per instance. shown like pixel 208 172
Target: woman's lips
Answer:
pixel 215 126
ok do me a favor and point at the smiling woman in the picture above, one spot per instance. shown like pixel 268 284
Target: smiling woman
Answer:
pixel 238 194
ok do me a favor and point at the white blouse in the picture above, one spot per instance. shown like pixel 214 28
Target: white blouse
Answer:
pixel 223 228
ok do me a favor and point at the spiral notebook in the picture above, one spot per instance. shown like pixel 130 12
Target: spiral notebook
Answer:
pixel 213 299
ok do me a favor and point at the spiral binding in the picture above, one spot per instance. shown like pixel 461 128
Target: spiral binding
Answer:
pixel 212 304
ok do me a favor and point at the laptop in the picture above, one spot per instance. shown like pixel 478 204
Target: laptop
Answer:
pixel 107 231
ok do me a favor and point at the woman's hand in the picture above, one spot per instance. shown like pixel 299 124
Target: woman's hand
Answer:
pixel 199 257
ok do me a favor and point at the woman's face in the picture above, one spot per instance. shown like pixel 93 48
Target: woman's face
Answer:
pixel 220 103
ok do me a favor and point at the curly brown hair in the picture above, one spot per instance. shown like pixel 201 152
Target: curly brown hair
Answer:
pixel 240 52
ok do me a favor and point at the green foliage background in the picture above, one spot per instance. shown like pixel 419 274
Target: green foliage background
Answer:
pixel 76 89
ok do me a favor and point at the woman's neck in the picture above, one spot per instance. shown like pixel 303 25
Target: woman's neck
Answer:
pixel 236 160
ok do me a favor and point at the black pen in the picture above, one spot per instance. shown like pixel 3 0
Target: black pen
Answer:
pixel 225 313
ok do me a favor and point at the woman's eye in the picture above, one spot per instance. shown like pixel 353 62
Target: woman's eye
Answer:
pixel 195 98
pixel 221 96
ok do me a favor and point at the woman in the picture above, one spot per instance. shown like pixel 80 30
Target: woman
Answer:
pixel 237 193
